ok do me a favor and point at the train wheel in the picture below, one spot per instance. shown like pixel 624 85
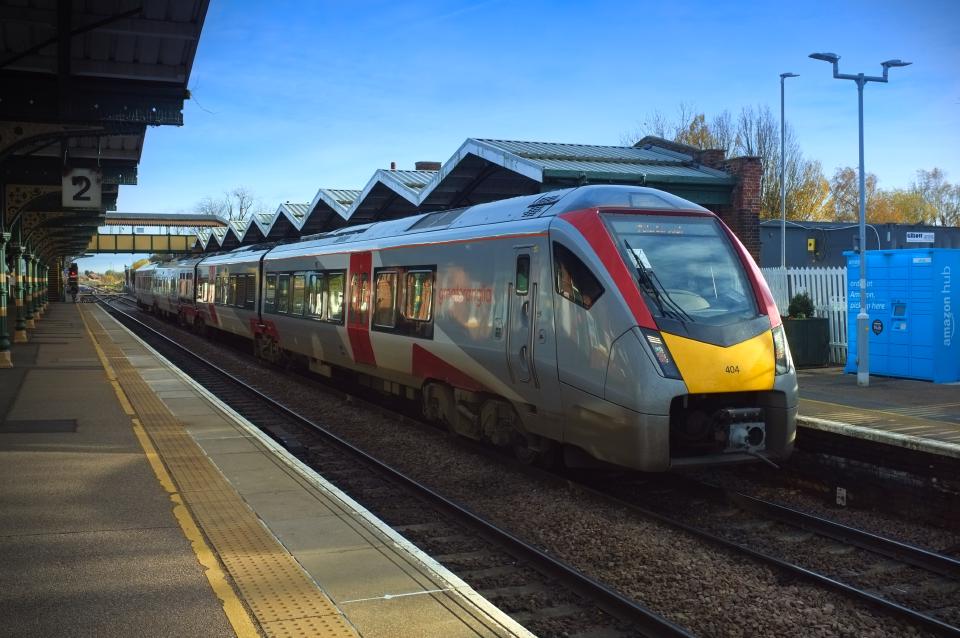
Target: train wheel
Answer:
pixel 437 404
pixel 531 449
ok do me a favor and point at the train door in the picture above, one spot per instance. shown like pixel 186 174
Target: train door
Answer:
pixel 521 305
pixel 529 340
pixel 358 316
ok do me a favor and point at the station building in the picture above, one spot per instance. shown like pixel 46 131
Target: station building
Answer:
pixel 821 244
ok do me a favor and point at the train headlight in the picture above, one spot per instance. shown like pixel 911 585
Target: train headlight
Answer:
pixel 781 351
pixel 662 354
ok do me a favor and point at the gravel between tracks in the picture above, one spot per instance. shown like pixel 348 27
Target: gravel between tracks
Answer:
pixel 709 591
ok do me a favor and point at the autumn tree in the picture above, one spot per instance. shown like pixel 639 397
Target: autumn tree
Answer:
pixel 908 206
pixel 808 192
pixel 845 194
pixel 941 196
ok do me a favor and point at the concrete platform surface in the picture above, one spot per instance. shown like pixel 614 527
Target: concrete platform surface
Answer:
pixel 905 412
pixel 108 456
pixel 88 543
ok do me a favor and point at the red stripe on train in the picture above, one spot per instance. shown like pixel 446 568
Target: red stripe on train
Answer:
pixel 427 365
pixel 357 329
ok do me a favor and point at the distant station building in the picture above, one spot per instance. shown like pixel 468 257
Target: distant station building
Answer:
pixel 821 244
pixel 484 170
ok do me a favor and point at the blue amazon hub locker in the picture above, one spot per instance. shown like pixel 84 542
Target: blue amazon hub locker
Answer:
pixel 912 295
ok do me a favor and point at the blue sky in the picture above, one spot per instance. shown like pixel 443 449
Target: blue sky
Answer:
pixel 289 97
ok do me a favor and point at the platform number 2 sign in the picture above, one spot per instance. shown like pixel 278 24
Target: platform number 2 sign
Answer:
pixel 82 188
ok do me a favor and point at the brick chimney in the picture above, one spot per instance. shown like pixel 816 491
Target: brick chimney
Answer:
pixel 427 166
pixel 742 215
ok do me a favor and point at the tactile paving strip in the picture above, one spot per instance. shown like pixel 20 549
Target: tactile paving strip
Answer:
pixel 282 597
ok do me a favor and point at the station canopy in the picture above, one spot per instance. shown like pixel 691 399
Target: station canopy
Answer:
pixel 484 170
pixel 80 82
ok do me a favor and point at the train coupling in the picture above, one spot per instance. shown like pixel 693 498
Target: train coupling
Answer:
pixel 740 429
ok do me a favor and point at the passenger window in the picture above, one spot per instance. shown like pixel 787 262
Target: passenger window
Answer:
pixel 418 295
pixel 296 304
pixel 523 275
pixel 334 298
pixel 240 290
pixel 384 314
pixel 283 293
pixel 573 280
pixel 359 298
pixel 270 294
pixel 251 291
pixel 315 295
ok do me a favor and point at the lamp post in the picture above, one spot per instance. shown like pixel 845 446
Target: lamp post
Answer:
pixel 783 182
pixel 863 317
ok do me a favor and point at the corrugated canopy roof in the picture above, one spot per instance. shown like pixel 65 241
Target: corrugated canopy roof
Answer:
pixel 602 161
pixel 484 170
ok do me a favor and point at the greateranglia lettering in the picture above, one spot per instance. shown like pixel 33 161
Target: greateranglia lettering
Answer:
pixel 478 296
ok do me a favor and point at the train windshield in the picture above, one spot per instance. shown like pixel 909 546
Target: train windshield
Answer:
pixel 686 268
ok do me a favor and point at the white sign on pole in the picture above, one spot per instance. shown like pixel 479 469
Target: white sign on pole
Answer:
pixel 920 238
pixel 82 188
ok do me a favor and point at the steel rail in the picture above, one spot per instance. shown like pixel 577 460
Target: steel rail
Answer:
pixel 905 613
pixel 904 552
pixel 608 599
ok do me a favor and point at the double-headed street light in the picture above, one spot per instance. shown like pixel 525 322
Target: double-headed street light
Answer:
pixel 783 169
pixel 863 318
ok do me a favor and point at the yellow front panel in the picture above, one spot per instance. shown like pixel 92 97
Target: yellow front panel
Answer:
pixel 706 368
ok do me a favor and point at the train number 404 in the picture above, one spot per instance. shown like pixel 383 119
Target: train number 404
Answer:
pixel 732 369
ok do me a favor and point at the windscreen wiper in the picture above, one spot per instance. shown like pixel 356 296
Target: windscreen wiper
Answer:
pixel 649 280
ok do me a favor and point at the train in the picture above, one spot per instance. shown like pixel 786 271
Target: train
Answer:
pixel 603 325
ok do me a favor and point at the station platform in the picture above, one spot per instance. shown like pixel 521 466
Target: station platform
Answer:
pixel 915 415
pixel 135 503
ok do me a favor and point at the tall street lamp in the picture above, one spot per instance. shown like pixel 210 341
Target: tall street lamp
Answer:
pixel 783 170
pixel 863 318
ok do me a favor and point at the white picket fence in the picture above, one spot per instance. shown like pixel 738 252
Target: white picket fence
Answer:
pixel 827 288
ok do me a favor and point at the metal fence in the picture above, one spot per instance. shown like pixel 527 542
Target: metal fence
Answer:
pixel 827 288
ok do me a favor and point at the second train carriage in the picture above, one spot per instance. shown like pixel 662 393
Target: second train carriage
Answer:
pixel 623 322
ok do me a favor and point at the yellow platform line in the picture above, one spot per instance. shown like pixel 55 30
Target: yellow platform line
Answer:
pixel 281 596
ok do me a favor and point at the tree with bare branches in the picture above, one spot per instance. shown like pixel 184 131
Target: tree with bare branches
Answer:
pixel 756 132
pixel 237 204
pixel 942 196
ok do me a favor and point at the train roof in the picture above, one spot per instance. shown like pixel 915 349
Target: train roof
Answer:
pixel 253 252
pixel 516 209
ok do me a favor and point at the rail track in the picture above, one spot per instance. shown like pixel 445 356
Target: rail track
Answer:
pixel 919 586
pixel 748 531
pixel 541 592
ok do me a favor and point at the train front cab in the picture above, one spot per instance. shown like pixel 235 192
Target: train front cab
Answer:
pixel 703 375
